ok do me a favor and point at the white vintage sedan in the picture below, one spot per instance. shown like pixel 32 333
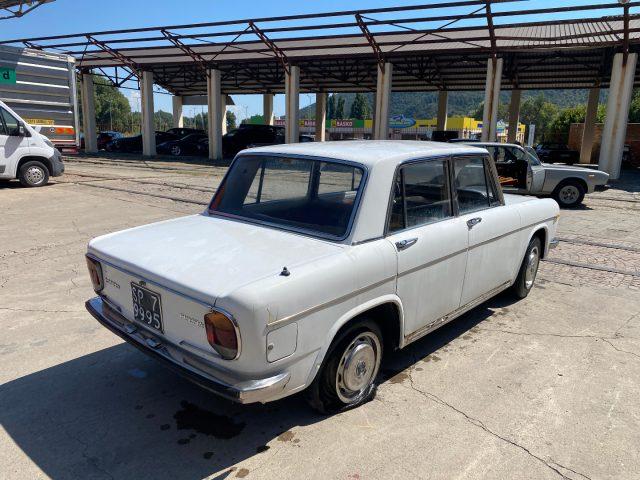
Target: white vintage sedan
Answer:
pixel 314 259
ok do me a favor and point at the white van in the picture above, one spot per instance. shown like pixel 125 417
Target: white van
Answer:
pixel 24 153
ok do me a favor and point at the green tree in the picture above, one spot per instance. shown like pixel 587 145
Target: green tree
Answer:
pixel 360 108
pixel 537 111
pixel 231 120
pixel 634 111
pixel 162 120
pixel 478 112
pixel 339 114
pixel 113 111
pixel 331 107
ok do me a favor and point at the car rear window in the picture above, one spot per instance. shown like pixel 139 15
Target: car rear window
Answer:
pixel 315 196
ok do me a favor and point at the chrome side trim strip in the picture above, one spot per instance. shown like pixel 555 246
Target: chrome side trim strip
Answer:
pixel 292 318
pixel 421 332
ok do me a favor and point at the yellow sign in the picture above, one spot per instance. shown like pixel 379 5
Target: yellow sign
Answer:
pixel 39 121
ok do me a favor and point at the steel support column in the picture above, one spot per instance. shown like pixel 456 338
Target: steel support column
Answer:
pixel 292 93
pixel 148 131
pixel 615 125
pixel 214 104
pixel 267 108
pixel 178 118
pixel 589 130
pixel 89 114
pixel 321 116
pixel 383 95
pixel 491 99
pixel 514 115
pixel 443 107
pixel 223 114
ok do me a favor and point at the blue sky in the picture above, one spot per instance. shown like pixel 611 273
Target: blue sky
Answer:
pixel 73 16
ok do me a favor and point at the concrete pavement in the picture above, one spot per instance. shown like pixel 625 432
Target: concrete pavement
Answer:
pixel 548 387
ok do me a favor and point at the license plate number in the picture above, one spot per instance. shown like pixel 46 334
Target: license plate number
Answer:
pixel 146 307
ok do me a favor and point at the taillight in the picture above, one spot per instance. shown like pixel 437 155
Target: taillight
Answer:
pixel 95 272
pixel 222 334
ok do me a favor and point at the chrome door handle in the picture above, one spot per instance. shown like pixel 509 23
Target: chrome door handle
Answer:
pixel 404 244
pixel 473 222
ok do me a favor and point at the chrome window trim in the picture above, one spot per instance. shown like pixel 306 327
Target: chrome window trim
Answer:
pixel 212 308
pixel 301 231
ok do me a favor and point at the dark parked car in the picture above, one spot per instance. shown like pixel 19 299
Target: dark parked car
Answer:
pixel 557 153
pixel 247 135
pixel 134 144
pixel 106 137
pixel 188 145
pixel 183 132
pixel 103 139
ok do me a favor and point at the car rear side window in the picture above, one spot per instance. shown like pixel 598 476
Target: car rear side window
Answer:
pixel 421 195
pixel 473 190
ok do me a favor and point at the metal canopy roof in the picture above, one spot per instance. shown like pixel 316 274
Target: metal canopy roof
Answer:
pixel 430 48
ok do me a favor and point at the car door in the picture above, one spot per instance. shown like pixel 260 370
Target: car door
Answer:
pixel 431 243
pixel 506 166
pixel 536 173
pixel 492 228
pixel 13 146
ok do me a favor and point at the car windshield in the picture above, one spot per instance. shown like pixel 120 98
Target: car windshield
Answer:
pixel 315 196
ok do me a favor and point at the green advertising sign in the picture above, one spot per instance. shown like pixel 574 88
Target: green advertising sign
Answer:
pixel 7 75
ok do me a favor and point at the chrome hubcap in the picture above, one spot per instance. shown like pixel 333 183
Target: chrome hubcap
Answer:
pixel 358 367
pixel 531 269
pixel 34 175
pixel 569 194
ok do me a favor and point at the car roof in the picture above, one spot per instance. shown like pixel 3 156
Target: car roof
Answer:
pixel 369 152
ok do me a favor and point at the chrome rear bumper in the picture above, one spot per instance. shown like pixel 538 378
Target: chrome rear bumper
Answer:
pixel 247 391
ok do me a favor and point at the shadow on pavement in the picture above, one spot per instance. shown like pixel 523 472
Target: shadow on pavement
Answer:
pixel 117 414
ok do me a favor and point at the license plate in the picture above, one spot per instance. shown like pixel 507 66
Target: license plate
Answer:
pixel 146 307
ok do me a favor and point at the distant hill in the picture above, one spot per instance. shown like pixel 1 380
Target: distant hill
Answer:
pixel 425 105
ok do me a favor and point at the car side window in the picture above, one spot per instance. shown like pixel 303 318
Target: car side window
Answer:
pixel 11 124
pixel 421 195
pixel 471 186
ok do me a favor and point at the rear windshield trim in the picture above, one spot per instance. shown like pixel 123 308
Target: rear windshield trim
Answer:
pixel 302 231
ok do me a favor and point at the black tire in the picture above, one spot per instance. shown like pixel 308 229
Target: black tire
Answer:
pixel 176 150
pixel 324 394
pixel 33 174
pixel 569 194
pixel 526 278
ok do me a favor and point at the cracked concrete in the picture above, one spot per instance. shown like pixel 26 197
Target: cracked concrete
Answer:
pixel 545 388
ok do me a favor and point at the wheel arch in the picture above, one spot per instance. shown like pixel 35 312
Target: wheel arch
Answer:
pixel 33 158
pixel 386 311
pixel 583 183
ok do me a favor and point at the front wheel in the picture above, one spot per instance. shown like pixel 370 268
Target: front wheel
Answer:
pixel 569 194
pixel 529 269
pixel 33 174
pixel 176 150
pixel 347 378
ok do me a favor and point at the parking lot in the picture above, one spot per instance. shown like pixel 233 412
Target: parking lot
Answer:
pixel 548 387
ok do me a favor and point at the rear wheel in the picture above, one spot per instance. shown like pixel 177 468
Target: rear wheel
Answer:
pixel 33 174
pixel 569 194
pixel 348 375
pixel 176 150
pixel 529 269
